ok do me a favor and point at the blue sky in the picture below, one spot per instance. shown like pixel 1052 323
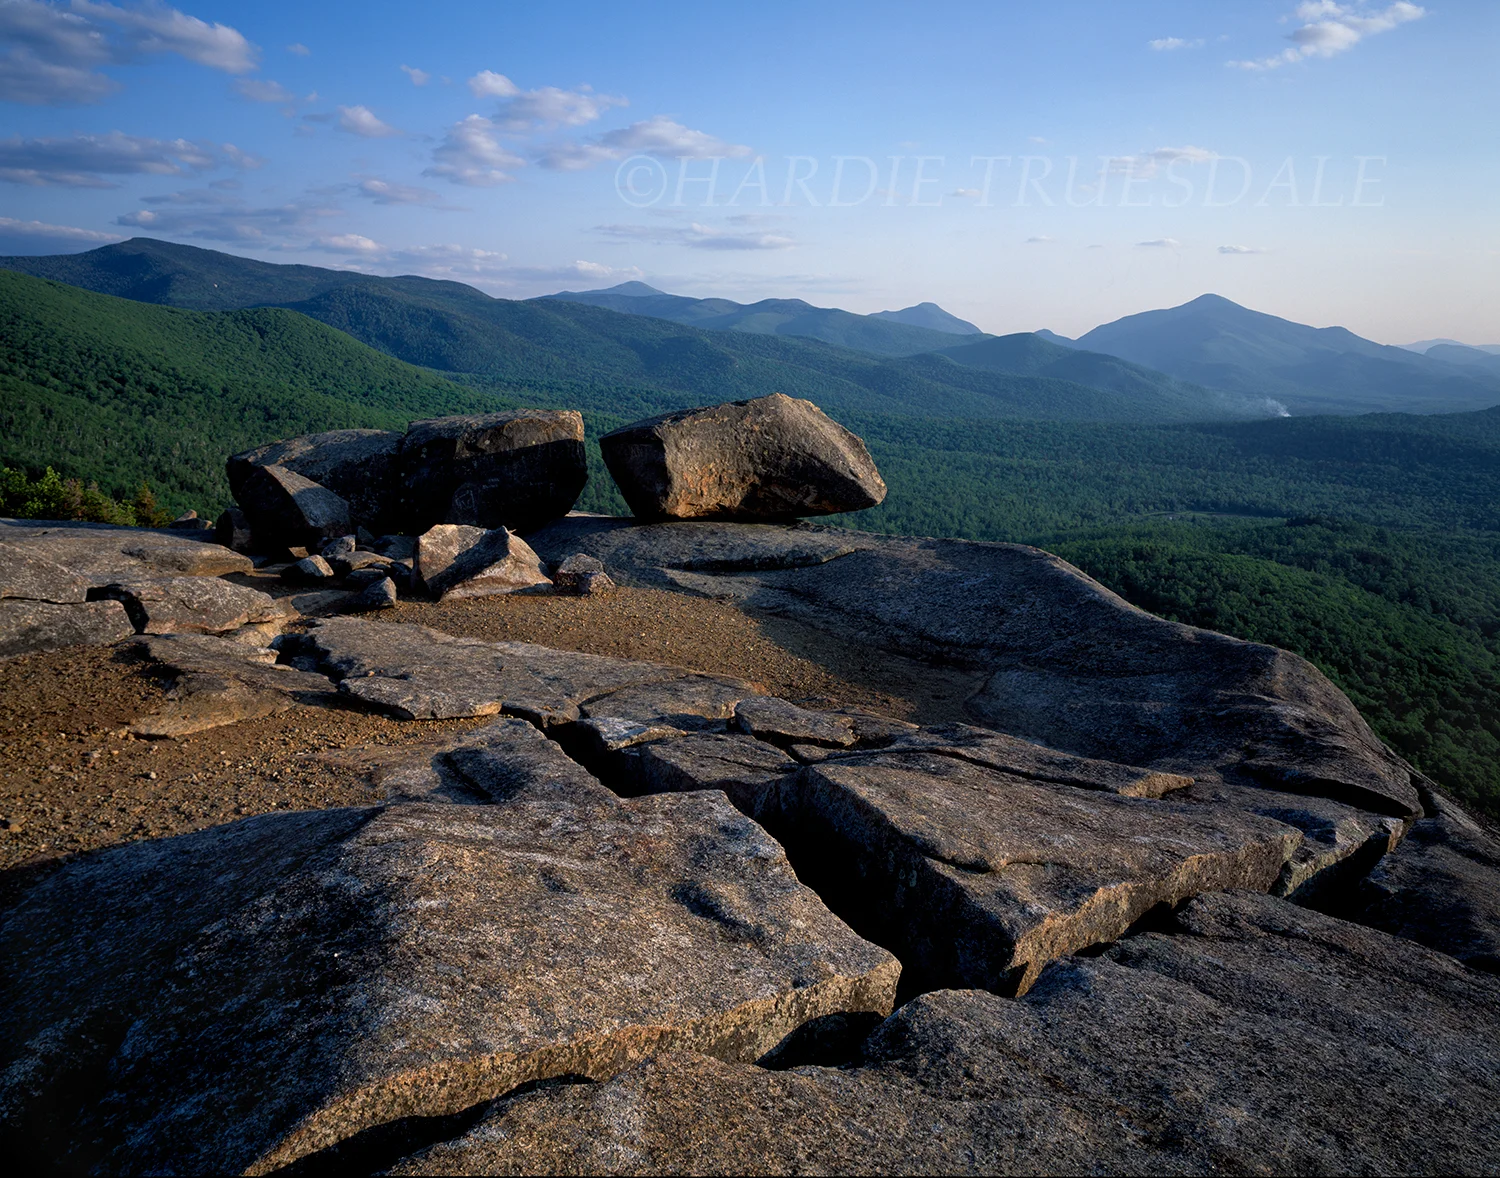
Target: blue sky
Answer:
pixel 1024 165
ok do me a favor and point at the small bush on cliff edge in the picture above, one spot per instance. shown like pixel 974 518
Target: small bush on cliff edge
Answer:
pixel 50 496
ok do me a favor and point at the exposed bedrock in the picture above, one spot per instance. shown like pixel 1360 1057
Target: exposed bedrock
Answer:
pixel 101 553
pixel 235 999
pixel 1070 664
pixel 193 605
pixel 1250 1036
pixel 772 457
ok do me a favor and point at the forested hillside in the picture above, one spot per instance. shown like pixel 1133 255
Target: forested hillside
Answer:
pixel 118 392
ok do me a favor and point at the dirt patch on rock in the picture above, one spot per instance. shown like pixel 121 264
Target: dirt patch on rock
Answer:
pixel 73 782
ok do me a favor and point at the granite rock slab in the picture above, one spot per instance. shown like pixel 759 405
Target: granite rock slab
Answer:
pixel 241 997
pixel 1252 1037
pixel 31 627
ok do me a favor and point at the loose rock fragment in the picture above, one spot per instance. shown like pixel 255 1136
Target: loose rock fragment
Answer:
pixel 455 560
pixel 380 595
pixel 309 570
pixel 768 458
pixel 357 465
pixel 783 723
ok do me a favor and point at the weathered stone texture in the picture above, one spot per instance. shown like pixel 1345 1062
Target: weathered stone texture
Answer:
pixel 768 458
pixel 235 999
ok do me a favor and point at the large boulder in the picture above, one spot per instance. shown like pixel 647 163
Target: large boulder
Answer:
pixel 287 510
pixel 516 469
pixel 771 458
pixel 358 465
pixel 241 997
pixel 456 560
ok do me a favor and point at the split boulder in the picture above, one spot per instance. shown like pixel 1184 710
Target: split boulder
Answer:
pixel 288 510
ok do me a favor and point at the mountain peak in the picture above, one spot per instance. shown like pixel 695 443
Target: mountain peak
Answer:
pixel 930 316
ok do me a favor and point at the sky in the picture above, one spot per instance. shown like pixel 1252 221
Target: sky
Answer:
pixel 1024 165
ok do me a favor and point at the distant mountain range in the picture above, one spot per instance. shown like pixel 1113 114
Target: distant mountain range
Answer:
pixel 627 365
pixel 1220 344
pixel 923 328
pixel 635 347
pixel 1426 345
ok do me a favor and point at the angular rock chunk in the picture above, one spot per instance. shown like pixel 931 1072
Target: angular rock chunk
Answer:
pixel 380 594
pixel 357 465
pixel 1441 887
pixel 101 553
pixel 516 469
pixel 30 577
pixel 193 605
pixel 783 723
pixel 981 877
pixel 768 458
pixel 29 627
pixel 291 980
pixel 233 530
pixel 309 570
pixel 455 560
pixel 583 575
pixel 221 680
pixel 289 511
pixel 1257 1038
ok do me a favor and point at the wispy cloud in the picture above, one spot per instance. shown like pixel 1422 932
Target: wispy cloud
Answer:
pixel 471 154
pixel 1330 28
pixel 1243 249
pixel 1159 243
pixel 1039 239
pixel 655 136
pixel 88 161
pixel 347 243
pixel 1148 163
pixel 548 106
pixel 418 77
pixel 362 121
pixel 297 49
pixel 263 90
pixel 1167 44
pixel 697 236
pixel 383 192
pixel 215 217
pixel 10 227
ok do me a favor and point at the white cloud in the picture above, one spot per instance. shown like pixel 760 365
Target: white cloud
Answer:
pixel 488 84
pixel 85 161
pixel 494 270
pixel 10 227
pixel 418 77
pixel 1332 28
pixel 1039 239
pixel 383 192
pixel 348 243
pixel 471 154
pixel 1167 44
pixel 52 55
pixel 697 236
pixel 1159 243
pixel 1243 249
pixel 1147 164
pixel 152 27
pixel 297 49
pixel 362 121
pixel 263 90
pixel 654 136
pixel 966 192
pixel 241 159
